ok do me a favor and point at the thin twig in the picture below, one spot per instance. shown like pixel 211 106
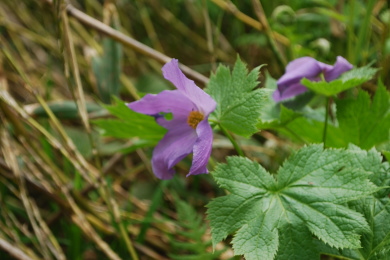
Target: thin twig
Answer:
pixel 259 11
pixel 79 94
pixel 13 251
pixel 230 7
pixel 209 36
pixel 130 42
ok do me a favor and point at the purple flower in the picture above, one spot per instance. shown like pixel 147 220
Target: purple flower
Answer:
pixel 188 131
pixel 306 67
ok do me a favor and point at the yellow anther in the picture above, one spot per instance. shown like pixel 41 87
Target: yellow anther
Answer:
pixel 194 118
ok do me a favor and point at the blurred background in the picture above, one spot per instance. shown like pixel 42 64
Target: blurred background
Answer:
pixel 69 190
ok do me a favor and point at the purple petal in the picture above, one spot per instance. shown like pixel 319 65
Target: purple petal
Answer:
pixel 168 101
pixel 292 91
pixel 305 67
pixel 175 145
pixel 202 148
pixel 341 65
pixel 201 99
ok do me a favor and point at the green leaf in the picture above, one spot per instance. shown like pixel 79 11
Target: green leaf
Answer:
pixel 310 193
pixel 376 210
pixel 306 247
pixel 376 243
pixel 387 155
pixel 258 237
pixel 347 80
pixel 192 228
pixel 270 111
pixel 362 123
pixel 107 68
pixel 305 127
pixel 130 124
pixel 239 105
pixel 65 109
pixel 359 122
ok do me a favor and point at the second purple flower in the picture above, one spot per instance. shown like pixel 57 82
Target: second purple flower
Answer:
pixel 188 131
pixel 289 85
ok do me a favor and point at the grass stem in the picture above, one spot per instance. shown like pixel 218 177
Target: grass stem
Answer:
pixel 327 110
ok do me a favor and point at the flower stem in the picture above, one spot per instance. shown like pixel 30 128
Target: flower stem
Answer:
pixel 326 120
pixel 234 143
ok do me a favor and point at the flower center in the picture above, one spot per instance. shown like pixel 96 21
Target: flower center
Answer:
pixel 194 118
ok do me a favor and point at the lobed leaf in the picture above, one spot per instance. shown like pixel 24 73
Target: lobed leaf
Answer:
pixel 376 210
pixel 239 105
pixel 309 193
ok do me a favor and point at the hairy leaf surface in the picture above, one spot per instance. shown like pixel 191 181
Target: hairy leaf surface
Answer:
pixel 309 193
pixel 239 105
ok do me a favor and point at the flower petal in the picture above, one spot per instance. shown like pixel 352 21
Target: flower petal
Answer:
pixel 289 92
pixel 168 101
pixel 202 148
pixel 175 145
pixel 201 99
pixel 341 65
pixel 305 67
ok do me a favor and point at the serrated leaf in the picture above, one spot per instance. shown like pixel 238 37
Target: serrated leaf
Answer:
pixel 376 243
pixel 239 105
pixel 376 210
pixel 303 248
pixel 130 124
pixel 257 238
pixel 270 112
pixel 312 186
pixel 350 79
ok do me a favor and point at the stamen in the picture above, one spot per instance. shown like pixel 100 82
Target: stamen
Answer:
pixel 194 118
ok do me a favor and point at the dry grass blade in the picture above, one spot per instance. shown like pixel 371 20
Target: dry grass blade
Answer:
pixel 13 251
pixel 11 160
pixel 230 7
pixel 128 41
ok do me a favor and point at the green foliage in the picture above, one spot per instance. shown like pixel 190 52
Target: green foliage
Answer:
pixel 239 105
pixel 347 80
pixel 192 230
pixel 306 126
pixel 308 197
pixel 358 122
pixel 362 123
pixel 376 210
pixel 65 109
pixel 130 124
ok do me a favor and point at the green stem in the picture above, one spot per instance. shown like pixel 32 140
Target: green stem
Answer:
pixel 234 143
pixel 326 120
pixel 128 242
